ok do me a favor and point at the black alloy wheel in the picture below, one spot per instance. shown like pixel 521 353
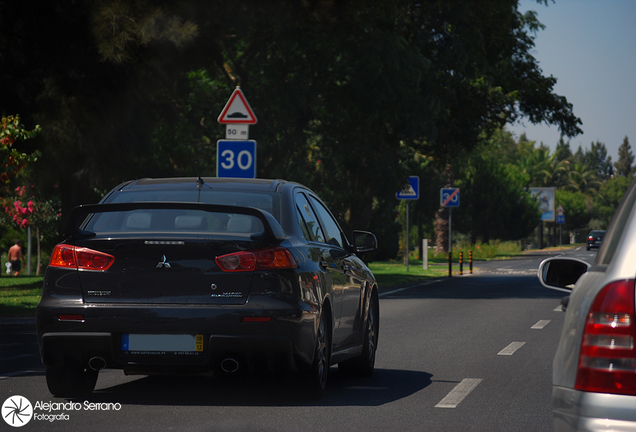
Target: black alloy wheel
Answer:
pixel 317 375
pixel 364 364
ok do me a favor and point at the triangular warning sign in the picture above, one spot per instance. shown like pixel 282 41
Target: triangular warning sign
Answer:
pixel 237 110
pixel 408 191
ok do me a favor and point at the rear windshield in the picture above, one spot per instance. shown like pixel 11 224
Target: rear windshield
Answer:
pixel 174 221
pixel 263 201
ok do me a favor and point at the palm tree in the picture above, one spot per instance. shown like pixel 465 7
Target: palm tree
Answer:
pixel 582 179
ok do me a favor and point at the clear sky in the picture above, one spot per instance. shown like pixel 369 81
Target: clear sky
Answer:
pixel 590 47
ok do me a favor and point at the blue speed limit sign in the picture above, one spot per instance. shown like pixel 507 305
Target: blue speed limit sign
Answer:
pixel 236 159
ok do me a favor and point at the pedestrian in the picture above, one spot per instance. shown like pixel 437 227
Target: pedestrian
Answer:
pixel 15 257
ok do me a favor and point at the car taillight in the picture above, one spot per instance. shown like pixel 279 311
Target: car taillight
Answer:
pixel 607 363
pixel 263 259
pixel 590 238
pixel 68 256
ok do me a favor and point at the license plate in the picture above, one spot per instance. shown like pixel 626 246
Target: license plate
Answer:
pixel 144 343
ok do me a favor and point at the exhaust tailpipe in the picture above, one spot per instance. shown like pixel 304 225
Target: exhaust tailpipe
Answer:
pixel 229 365
pixel 97 363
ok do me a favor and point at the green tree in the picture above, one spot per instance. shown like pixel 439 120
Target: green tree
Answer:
pixel 563 150
pixel 596 159
pixel 12 160
pixel 581 178
pixel 495 204
pixel 577 208
pixel 610 195
pixel 625 160
pixel 540 168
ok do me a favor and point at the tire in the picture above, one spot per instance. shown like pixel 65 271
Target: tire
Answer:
pixel 364 364
pixel 71 381
pixel 315 378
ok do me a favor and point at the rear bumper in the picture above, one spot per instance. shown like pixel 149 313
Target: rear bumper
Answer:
pixel 586 411
pixel 286 342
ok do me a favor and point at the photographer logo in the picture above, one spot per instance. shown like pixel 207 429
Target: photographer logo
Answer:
pixel 17 411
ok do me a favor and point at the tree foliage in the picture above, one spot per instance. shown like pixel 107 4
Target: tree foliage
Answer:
pixel 349 96
pixel 625 160
pixel 495 203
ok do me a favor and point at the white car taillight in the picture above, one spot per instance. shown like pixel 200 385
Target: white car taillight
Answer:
pixel 607 363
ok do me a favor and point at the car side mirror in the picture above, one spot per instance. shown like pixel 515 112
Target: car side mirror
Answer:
pixel 560 273
pixel 364 241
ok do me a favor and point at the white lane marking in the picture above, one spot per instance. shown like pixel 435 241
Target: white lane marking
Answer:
pixel 459 393
pixel 408 288
pixel 540 324
pixel 559 308
pixel 510 349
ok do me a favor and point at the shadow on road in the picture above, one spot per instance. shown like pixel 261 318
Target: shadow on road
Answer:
pixel 383 387
pixel 499 286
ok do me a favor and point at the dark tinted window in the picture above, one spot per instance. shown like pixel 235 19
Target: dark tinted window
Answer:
pixel 332 231
pixel 308 220
pixel 263 201
pixel 174 221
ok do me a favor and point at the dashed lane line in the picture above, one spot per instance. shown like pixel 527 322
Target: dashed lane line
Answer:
pixel 511 348
pixel 459 393
pixel 540 324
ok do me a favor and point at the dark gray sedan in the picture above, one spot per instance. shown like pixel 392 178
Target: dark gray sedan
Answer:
pixel 199 276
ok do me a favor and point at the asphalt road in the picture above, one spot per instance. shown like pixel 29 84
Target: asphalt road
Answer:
pixel 467 353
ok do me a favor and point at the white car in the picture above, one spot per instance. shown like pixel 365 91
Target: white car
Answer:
pixel 594 369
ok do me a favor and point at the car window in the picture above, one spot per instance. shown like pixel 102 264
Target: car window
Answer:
pixel 262 201
pixel 332 231
pixel 308 220
pixel 173 221
pixel 614 233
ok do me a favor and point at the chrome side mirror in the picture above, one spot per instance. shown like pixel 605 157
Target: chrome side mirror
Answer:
pixel 561 273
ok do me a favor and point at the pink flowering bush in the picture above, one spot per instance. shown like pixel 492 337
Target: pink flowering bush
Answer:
pixel 17 211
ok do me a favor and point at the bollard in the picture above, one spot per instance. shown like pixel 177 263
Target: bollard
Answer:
pixel 461 263
pixel 450 264
pixel 470 261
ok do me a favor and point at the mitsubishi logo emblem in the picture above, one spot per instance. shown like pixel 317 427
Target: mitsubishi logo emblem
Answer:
pixel 163 263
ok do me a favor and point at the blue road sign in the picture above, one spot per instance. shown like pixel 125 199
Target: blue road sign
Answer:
pixel 236 159
pixel 411 190
pixel 560 219
pixel 449 197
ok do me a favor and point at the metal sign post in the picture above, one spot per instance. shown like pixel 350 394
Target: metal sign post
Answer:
pixel 449 198
pixel 411 191
pixel 560 220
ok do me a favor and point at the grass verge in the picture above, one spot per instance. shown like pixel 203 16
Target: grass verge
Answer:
pixel 19 295
pixel 393 273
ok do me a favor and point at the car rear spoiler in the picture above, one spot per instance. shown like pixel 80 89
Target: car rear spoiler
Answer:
pixel 272 229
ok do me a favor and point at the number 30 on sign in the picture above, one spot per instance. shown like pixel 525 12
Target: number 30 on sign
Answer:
pixel 236 159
